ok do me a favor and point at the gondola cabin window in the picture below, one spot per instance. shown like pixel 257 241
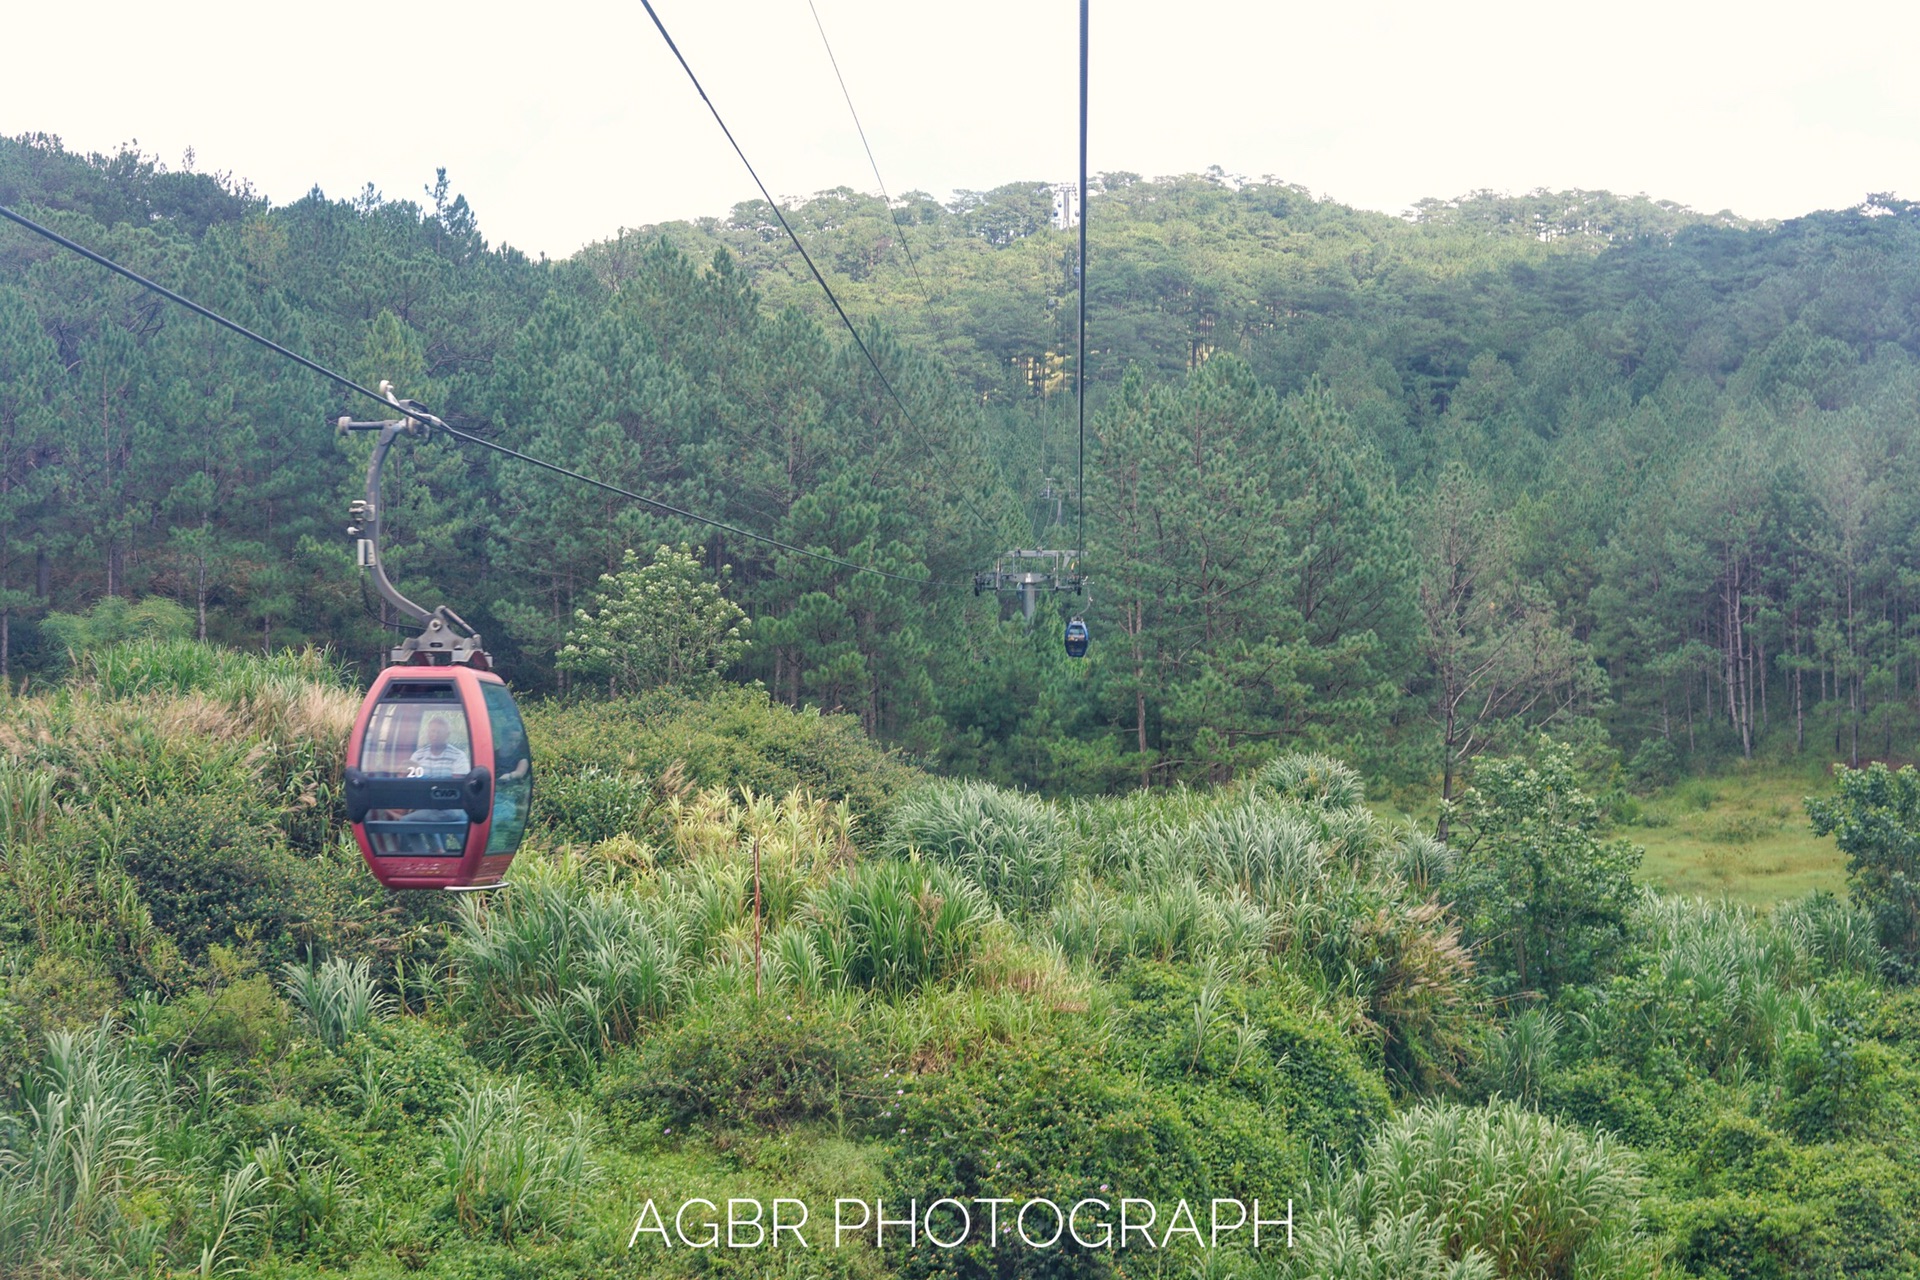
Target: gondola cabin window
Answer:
pixel 513 781
pixel 419 731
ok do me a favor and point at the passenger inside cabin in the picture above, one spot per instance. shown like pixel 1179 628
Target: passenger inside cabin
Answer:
pixel 439 758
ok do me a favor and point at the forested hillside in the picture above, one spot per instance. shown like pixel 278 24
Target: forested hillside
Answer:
pixel 1403 487
pixel 1369 502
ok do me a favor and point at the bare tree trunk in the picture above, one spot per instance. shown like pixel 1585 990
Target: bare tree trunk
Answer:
pixel 1446 770
pixel 1736 664
pixel 1689 713
pixel 1136 625
pixel 1799 709
pixel 560 597
pixel 1730 656
pixel 1853 718
pixel 1853 679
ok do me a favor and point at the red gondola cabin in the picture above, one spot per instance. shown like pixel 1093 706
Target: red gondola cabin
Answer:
pixel 438 778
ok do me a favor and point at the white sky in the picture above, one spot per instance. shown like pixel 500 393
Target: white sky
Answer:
pixel 564 121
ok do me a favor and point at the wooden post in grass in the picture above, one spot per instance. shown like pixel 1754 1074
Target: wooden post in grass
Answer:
pixel 756 917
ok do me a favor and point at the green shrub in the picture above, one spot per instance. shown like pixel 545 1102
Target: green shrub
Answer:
pixel 1763 1207
pixel 210 870
pixel 1543 898
pixel 1655 765
pixel 1895 1020
pixel 1048 1116
pixel 1008 843
pixel 1697 794
pixel 1747 1237
pixel 1296 1067
pixel 505 1168
pixel 418 1068
pixel 1837 1085
pixel 746 1062
pixel 238 1019
pixel 61 991
pixel 1536 1197
pixel 1872 1198
pixel 1875 819
pixel 1599 1095
pixel 337 998
pixel 732 737
pixel 1247 1148
pixel 1731 1148
pixel 894 926
pixel 1311 779
pixel 592 805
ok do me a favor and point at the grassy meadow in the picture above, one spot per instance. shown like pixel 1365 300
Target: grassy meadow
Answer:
pixel 1739 833
pixel 1742 834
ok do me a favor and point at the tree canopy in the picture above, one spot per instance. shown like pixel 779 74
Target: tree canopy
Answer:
pixel 1406 487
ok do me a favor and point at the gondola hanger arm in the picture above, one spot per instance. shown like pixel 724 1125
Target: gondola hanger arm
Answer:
pixel 447 636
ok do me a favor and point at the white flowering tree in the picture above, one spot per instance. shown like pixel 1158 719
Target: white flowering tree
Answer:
pixel 663 623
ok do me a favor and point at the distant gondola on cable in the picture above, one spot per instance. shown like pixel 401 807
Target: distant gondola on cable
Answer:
pixel 1077 638
pixel 438 773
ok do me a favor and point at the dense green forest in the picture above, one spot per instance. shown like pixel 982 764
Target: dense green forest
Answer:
pixel 1402 487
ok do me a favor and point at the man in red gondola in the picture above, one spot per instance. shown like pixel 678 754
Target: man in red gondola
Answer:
pixel 437 759
pixel 440 758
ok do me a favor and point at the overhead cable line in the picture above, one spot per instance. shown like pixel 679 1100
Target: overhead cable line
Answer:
pixel 421 415
pixel 905 242
pixel 1080 360
pixel 820 279
pixel 1029 570
pixel 50 234
pixel 557 469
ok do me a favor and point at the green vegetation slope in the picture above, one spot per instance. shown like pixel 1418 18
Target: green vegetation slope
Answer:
pixel 225 1049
